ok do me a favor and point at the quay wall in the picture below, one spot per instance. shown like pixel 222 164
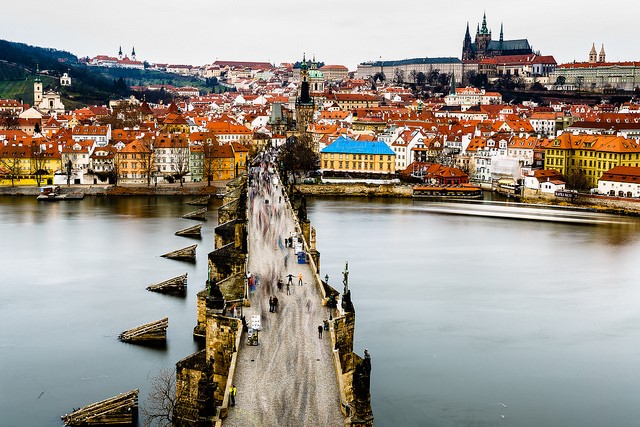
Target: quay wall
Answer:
pixel 110 190
pixel 355 190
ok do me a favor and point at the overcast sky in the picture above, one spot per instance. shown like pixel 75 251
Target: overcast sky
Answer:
pixel 344 32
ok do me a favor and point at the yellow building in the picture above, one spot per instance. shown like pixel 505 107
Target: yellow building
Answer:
pixel 29 162
pixel 591 154
pixel 346 155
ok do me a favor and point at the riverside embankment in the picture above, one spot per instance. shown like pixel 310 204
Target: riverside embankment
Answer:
pixel 355 190
pixel 120 190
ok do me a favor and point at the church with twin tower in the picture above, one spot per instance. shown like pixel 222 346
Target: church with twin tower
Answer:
pixel 485 47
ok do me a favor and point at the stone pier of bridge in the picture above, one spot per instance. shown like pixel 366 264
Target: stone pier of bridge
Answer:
pixel 303 370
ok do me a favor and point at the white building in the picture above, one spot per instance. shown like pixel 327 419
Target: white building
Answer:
pixel 620 181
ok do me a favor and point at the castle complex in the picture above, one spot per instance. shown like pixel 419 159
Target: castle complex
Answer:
pixel 485 47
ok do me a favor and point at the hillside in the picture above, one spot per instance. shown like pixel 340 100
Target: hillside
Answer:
pixel 19 63
pixel 90 85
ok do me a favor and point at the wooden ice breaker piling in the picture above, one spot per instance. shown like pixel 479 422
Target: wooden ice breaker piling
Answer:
pixel 203 201
pixel 153 331
pixel 188 253
pixel 175 285
pixel 118 410
pixel 199 214
pixel 190 231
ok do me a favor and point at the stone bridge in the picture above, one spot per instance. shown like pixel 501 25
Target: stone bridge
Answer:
pixel 295 375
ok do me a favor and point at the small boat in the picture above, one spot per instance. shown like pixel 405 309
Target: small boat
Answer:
pixel 441 191
pixel 52 193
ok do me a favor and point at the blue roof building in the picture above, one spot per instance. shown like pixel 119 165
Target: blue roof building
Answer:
pixel 348 155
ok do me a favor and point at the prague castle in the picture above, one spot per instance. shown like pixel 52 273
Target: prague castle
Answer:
pixel 485 47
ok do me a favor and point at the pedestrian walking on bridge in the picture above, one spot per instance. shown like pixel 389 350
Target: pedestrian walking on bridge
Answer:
pixel 320 332
pixel 300 279
pixel 290 282
pixel 232 394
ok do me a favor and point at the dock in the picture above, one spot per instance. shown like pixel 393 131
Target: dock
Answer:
pixel 203 201
pixel 199 215
pixel 190 231
pixel 118 410
pixel 186 254
pixel 153 331
pixel 174 286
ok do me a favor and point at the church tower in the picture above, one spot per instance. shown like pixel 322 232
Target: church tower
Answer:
pixel 483 37
pixel 133 54
pixel 304 104
pixel 602 57
pixel 467 49
pixel 37 88
pixel 593 55
pixel 120 53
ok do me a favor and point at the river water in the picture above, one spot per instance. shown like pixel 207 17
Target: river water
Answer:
pixel 471 320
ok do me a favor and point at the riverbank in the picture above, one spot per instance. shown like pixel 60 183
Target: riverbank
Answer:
pixel 355 190
pixel 122 190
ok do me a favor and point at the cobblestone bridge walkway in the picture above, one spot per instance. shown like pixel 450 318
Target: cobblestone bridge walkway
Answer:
pixel 289 378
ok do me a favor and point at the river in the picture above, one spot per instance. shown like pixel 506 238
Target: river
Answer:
pixel 471 320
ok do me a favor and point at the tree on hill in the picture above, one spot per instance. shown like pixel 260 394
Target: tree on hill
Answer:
pixel 9 120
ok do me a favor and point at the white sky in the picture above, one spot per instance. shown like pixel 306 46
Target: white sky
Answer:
pixel 343 32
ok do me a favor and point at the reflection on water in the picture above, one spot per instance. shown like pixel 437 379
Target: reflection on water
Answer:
pixel 472 318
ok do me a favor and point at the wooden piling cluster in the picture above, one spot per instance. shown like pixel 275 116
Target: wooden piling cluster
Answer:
pixel 149 332
pixel 203 201
pixel 118 410
pixel 198 214
pixel 175 285
pixel 192 231
pixel 187 254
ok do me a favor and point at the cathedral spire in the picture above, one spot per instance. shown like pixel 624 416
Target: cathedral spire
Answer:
pixel 501 33
pixel 484 29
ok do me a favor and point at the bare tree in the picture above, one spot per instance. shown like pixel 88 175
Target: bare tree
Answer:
pixel 180 162
pixel 413 76
pixel 123 115
pixel 10 161
pixel 9 120
pixel 162 400
pixel 38 159
pixel 399 75
pixel 209 165
pixel 147 159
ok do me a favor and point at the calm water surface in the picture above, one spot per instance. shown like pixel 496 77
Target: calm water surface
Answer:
pixel 471 321
pixel 475 321
pixel 73 277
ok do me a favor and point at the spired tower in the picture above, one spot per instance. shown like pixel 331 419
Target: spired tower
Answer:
pixel 37 88
pixel 593 55
pixel 602 57
pixel 120 53
pixel 483 37
pixel 304 104
pixel 467 48
pixel 133 54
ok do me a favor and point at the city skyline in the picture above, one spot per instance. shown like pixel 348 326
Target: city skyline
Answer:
pixel 333 32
